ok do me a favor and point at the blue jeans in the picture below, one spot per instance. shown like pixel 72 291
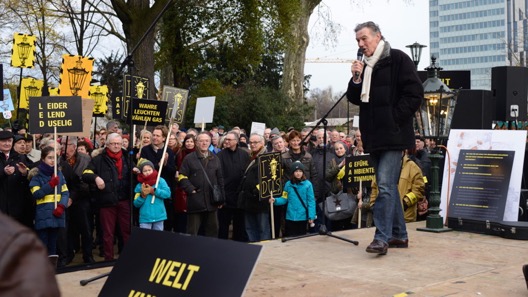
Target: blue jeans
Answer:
pixel 158 226
pixel 388 212
pixel 258 226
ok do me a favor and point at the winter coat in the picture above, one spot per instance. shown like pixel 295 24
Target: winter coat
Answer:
pixel 192 178
pixel 411 187
pixel 234 163
pixel 318 154
pixel 308 162
pixel 152 212
pixel 295 211
pixel 115 189
pixel 15 197
pixel 396 92
pixel 45 198
pixel 249 198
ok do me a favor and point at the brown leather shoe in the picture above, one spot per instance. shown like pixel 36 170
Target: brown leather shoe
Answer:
pixel 377 247
pixel 398 243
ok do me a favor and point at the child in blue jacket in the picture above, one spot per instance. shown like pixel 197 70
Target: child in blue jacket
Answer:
pixel 298 194
pixel 48 218
pixel 151 215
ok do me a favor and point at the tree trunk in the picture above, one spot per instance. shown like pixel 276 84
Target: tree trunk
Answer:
pixel 137 17
pixel 295 54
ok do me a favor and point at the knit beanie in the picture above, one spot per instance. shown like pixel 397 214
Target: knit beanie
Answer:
pixel 297 166
pixel 143 162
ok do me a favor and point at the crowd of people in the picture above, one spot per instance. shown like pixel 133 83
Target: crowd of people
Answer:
pixel 79 193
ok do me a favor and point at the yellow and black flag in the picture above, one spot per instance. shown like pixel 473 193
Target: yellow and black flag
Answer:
pixel 23 51
pixel 75 76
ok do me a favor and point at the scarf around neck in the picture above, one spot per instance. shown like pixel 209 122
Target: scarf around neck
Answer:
pixel 117 157
pixel 150 179
pixel 370 61
pixel 46 169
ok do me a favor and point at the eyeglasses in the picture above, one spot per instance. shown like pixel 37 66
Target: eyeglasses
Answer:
pixel 254 142
pixel 229 139
pixel 115 143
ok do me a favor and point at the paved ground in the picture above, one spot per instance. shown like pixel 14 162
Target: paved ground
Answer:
pixel 435 264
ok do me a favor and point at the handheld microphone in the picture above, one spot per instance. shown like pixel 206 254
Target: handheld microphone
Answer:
pixel 359 58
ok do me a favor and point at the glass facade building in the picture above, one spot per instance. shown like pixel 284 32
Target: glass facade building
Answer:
pixel 477 35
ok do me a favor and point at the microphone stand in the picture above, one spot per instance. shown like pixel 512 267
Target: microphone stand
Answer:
pixel 323 230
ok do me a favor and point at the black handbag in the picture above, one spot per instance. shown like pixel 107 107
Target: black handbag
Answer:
pixel 218 197
pixel 339 206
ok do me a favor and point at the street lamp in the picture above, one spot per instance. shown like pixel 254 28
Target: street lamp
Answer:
pixel 438 106
pixel 416 52
pixel 436 114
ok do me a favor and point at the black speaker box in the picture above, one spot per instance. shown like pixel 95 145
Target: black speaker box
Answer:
pixel 510 87
pixel 475 109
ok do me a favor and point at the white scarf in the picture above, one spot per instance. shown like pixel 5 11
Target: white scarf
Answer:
pixel 370 61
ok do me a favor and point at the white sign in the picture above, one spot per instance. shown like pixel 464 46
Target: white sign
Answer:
pixel 355 122
pixel 204 110
pixel 257 127
pixel 497 140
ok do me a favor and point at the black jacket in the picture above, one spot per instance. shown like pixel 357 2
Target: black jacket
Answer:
pixel 192 178
pixel 15 197
pixel 115 189
pixel 396 92
pixel 250 197
pixel 234 163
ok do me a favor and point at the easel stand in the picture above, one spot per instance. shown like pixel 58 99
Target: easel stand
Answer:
pixel 323 230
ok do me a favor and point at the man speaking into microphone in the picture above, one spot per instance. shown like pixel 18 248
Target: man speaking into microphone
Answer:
pixel 388 91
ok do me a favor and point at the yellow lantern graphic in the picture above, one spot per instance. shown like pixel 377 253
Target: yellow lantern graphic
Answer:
pixel 23 51
pixel 75 76
pixel 29 87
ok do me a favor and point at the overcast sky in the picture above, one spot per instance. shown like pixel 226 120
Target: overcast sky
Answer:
pixel 401 24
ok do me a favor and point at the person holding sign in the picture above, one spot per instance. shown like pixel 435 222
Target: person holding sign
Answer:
pixel 110 173
pixel 256 212
pixel 48 218
pixel 389 92
pixel 299 196
pixel 151 215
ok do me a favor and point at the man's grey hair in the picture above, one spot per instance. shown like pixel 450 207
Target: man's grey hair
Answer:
pixel 261 138
pixel 371 25
pixel 234 134
pixel 111 124
pixel 111 137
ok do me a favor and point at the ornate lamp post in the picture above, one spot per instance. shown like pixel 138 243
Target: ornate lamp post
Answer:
pixel 436 113
pixel 77 75
pixel 416 52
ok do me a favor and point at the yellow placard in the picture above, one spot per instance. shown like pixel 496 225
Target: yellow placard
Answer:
pixel 99 94
pixel 23 51
pixel 75 76
pixel 29 87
